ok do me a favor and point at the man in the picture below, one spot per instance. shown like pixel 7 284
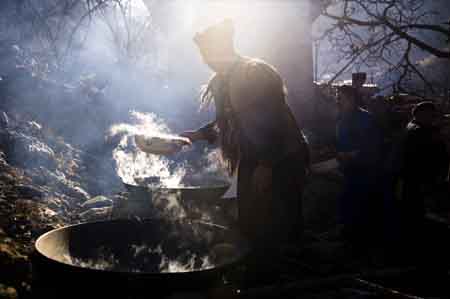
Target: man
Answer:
pixel 425 161
pixel 358 143
pixel 258 137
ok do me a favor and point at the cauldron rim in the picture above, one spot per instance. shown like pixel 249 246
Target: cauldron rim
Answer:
pixel 39 253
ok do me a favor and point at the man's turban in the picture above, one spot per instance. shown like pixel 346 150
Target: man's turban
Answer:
pixel 220 33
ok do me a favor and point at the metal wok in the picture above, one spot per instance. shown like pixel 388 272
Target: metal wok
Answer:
pixel 130 258
pixel 192 189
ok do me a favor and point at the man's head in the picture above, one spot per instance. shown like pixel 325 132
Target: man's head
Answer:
pixel 216 45
pixel 347 99
pixel 425 113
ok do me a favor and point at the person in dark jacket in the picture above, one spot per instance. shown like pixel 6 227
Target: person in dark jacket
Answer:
pixel 358 144
pixel 259 139
pixel 425 161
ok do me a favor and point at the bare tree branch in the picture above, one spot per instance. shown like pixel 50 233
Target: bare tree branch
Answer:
pixel 388 35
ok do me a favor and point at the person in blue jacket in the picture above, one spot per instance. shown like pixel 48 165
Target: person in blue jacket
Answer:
pixel 358 143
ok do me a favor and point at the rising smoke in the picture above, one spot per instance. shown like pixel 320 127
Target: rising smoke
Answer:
pixel 81 82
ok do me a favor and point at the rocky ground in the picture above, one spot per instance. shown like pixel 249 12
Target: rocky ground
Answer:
pixel 45 181
pixel 43 186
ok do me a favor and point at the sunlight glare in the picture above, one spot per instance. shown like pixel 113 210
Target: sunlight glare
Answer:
pixel 138 9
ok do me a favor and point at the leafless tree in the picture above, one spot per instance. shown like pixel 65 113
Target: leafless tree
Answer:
pixel 51 28
pixel 131 35
pixel 394 37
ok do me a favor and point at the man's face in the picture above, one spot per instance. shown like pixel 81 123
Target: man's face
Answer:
pixel 214 57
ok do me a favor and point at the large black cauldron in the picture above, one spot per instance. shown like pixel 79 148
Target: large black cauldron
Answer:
pixel 128 259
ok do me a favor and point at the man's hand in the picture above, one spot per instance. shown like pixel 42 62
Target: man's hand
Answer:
pixel 262 178
pixel 192 135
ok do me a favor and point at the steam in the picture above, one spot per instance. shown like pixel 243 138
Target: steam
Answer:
pixel 168 204
pixel 146 255
pixel 105 261
pixel 163 175
pixel 172 247
pixel 134 166
pixel 176 266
